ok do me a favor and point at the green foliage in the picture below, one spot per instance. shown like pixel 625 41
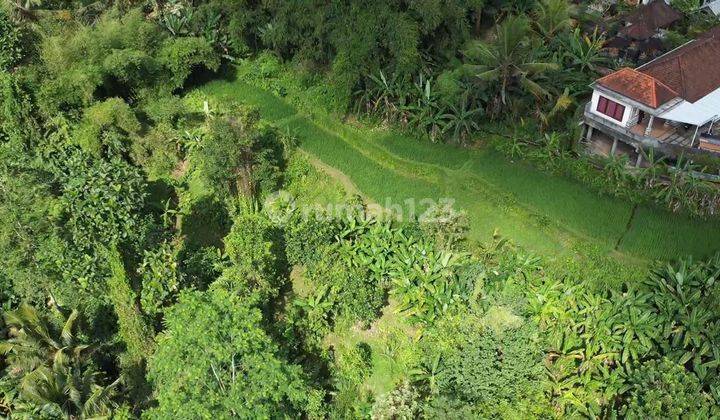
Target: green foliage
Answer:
pixel 110 58
pixel 213 359
pixel 447 226
pixel 345 289
pixel 498 193
pixel 494 363
pixel 181 55
pixel 101 200
pixel 242 156
pixel 366 250
pixel 257 263
pixel 134 329
pixel 18 121
pixel 10 42
pixel 306 235
pixel 553 17
pixel 687 6
pixel 26 207
pixel 401 403
pixel 52 366
pixel 161 277
pixel 125 56
pixel 81 220
pixel 352 366
pixel 105 128
pixel 509 63
pixel 677 188
pixel 165 110
pixel 364 40
pixel 425 281
pixel 685 298
pixel 157 151
pixel 663 389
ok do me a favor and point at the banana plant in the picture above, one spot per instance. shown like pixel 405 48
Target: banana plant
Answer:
pixel 686 299
pixel 424 281
pixel 426 374
pixel 461 121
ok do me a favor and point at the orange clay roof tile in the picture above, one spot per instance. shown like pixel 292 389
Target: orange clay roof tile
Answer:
pixel 639 87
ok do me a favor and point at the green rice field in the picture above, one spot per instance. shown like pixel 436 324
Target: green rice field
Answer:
pixel 544 213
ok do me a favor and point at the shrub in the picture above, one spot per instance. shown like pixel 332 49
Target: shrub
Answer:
pixel 182 55
pixel 663 389
pixel 214 359
pixel 106 127
pixel 10 42
pixel 354 291
pixel 494 363
pixel 242 156
pixel 425 281
pixel 161 278
pixel 157 151
pixel 306 237
pixel 401 403
pixel 101 201
pixel 447 226
pixel 686 301
pixel 114 57
pixel 257 262
pixel 165 109
pixel 352 366
pixel 18 119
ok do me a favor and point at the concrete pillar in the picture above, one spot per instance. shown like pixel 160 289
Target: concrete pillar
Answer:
pixel 692 142
pixel 648 129
pixel 588 135
pixel 614 147
pixel 639 159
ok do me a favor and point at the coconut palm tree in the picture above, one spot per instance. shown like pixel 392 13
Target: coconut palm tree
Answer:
pixel 52 369
pixel 508 60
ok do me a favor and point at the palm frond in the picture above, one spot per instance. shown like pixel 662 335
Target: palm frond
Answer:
pixel 538 68
pixel 67 331
pixel 533 87
pixel 490 75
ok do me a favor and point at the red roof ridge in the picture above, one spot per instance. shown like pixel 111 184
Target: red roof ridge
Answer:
pixel 659 82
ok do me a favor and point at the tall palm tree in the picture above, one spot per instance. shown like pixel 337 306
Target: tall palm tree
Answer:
pixel 508 60
pixel 52 369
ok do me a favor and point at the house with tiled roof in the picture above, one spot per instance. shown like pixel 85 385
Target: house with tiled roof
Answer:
pixel 671 104
pixel 649 19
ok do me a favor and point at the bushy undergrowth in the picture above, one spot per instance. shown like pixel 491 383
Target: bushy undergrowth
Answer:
pixel 515 339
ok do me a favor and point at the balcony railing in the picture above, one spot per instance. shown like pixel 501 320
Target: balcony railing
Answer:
pixel 629 136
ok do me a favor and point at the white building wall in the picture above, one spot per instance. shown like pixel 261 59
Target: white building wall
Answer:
pixel 629 117
pixel 713 6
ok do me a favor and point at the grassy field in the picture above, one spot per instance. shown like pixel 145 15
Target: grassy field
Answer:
pixel 547 214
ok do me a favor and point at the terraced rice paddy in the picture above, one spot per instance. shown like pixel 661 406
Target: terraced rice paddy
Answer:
pixel 544 213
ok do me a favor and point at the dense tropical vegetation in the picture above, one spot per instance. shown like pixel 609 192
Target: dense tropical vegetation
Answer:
pixel 175 254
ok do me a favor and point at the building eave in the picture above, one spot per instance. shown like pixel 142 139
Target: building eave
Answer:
pixel 645 108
